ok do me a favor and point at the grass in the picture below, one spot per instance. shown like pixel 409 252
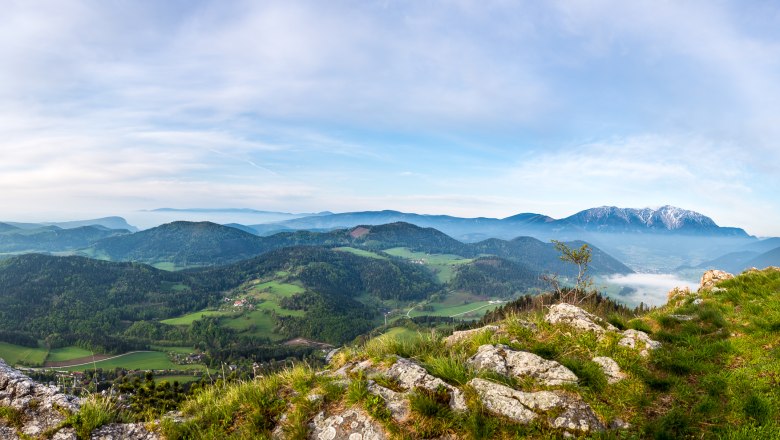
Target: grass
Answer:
pixel 18 355
pixel 95 412
pixel 150 360
pixel 166 349
pixel 192 317
pixel 471 310
pixel 715 376
pixel 360 252
pixel 66 354
pixel 442 265
pixel 256 323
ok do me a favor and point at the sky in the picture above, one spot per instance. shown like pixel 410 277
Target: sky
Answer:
pixel 468 108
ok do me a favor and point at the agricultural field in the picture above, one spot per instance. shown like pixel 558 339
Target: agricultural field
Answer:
pixel 442 265
pixel 269 290
pixel 457 305
pixel 360 252
pixel 143 360
pixel 178 350
pixel 16 354
pixel 256 323
pixel 190 318
pixel 400 333
pixel 67 353
pixel 181 378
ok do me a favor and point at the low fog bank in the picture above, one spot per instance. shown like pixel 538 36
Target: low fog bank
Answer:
pixel 648 288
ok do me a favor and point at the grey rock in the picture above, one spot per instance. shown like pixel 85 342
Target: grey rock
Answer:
pixel 123 431
pixel 572 413
pixel 352 424
pixel 619 424
pixel 503 360
pixel 712 277
pixel 576 317
pixel 637 339
pixel 458 337
pixel 44 408
pixel 410 375
pixel 610 368
pixel 681 317
pixel 396 402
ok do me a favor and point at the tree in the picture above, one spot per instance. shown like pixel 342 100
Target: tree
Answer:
pixel 581 258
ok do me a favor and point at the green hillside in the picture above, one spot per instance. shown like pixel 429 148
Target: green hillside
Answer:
pixel 714 375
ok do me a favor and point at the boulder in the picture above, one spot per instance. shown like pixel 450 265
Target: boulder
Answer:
pixel 351 424
pixel 458 337
pixel 410 375
pixel 610 368
pixel 713 277
pixel 503 360
pixel 576 317
pixel 562 411
pixel 637 339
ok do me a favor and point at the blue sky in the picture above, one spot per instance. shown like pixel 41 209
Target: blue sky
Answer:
pixel 471 108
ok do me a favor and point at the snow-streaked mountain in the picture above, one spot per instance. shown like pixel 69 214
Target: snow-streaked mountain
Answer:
pixel 664 219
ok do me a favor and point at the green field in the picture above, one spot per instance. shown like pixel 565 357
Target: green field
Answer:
pixel 458 305
pixel 443 265
pixel 148 360
pixel 190 318
pixel 66 354
pixel 271 289
pixel 165 265
pixel 255 323
pixel 15 354
pixel 360 252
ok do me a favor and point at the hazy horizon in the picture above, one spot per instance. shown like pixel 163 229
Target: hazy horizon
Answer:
pixel 466 108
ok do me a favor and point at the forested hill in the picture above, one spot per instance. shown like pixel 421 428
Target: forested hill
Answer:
pixel 52 238
pixel 208 244
pixel 328 271
pixel 182 243
pixel 46 297
pixel 43 295
pixel 543 257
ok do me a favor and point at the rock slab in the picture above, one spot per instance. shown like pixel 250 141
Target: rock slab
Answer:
pixel 562 411
pixel 352 424
pixel 503 360
pixel 574 316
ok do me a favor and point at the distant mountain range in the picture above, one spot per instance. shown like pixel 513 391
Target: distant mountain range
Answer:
pixel 106 222
pixel 187 244
pixel 42 238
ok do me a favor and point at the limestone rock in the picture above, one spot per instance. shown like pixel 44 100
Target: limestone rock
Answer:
pixel 352 424
pixel 638 340
pixel 396 403
pixel 610 368
pixel 410 375
pixel 713 277
pixel 572 413
pixel 503 360
pixel 576 317
pixel 43 408
pixel 458 337
pixel 123 431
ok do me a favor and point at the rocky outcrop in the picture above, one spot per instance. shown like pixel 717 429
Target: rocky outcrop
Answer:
pixel 460 336
pixel 410 376
pixel 396 402
pixel 352 424
pixel 637 339
pixel 561 411
pixel 713 277
pixel 576 317
pixel 503 360
pixel 42 409
pixel 610 368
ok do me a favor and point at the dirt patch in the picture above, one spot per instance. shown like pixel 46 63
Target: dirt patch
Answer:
pixel 78 361
pixel 359 232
